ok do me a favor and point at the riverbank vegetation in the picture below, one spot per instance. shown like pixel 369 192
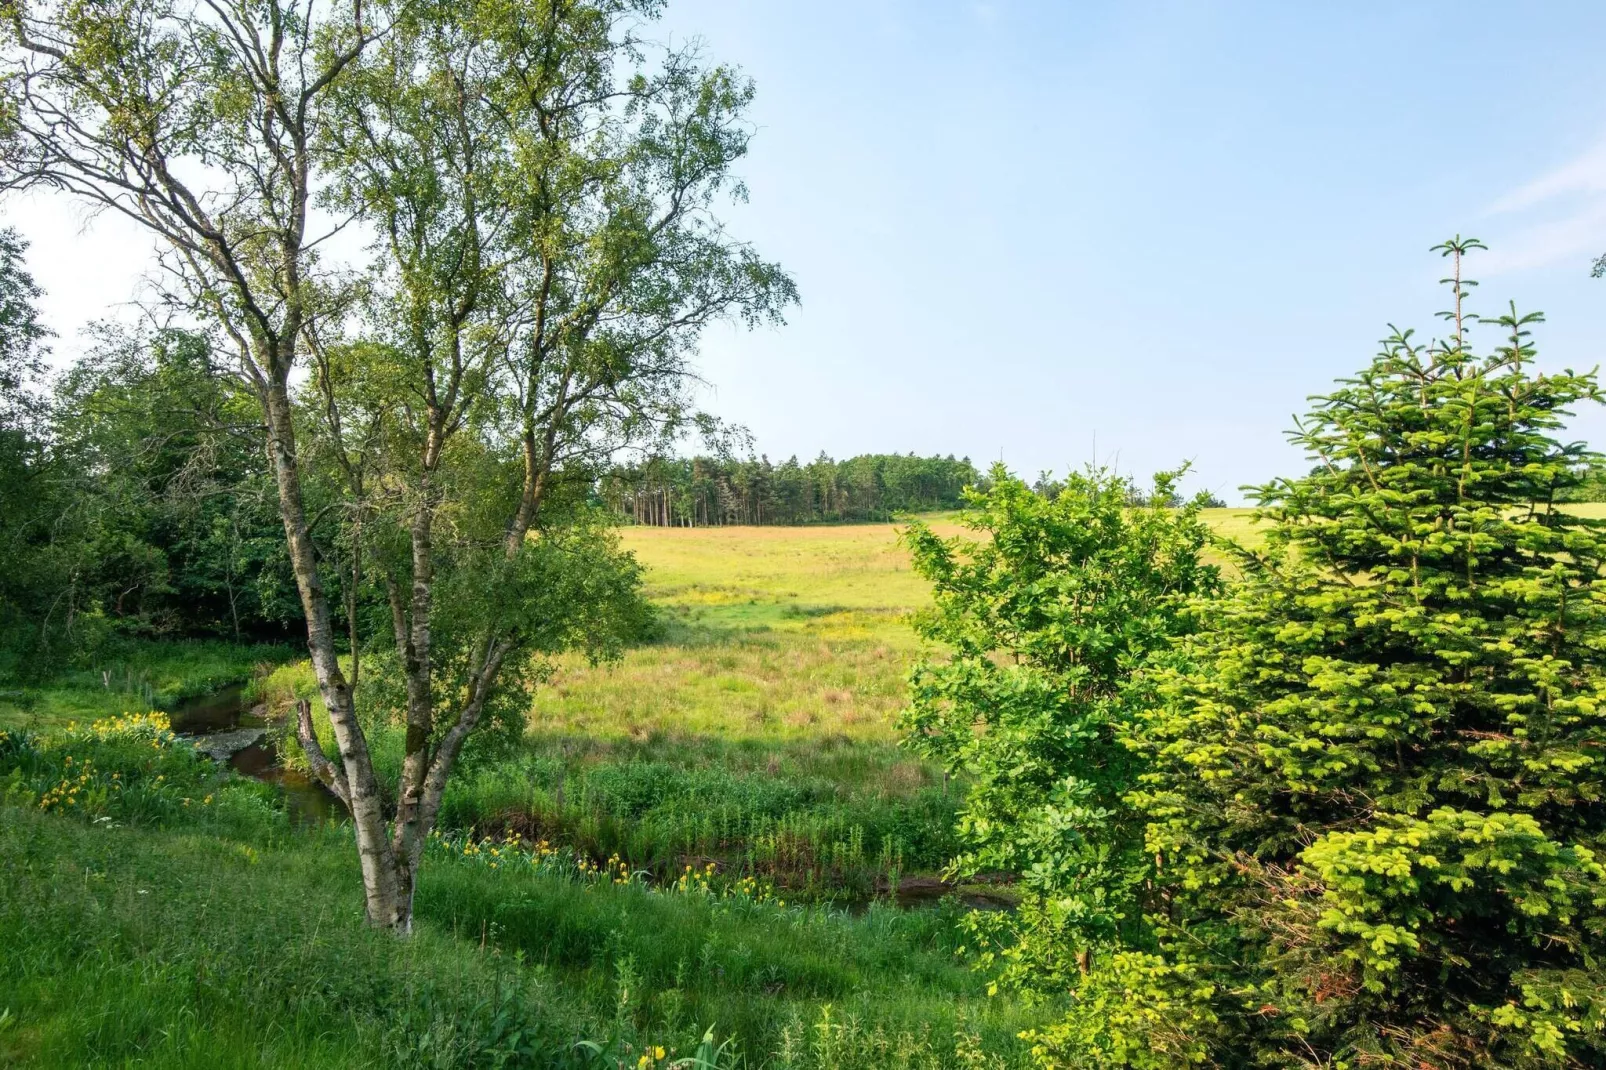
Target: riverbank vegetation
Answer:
pixel 754 734
pixel 174 918
pixel 132 674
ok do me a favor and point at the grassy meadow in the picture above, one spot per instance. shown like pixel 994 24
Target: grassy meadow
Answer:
pixel 779 640
pixel 707 834
pixel 774 636
pixel 758 731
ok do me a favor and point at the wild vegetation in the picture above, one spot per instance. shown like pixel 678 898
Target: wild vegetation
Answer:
pixel 1314 784
pixel 167 910
pixel 760 718
pixel 759 723
pixel 656 762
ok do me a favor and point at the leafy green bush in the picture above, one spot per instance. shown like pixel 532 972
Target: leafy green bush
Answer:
pixel 1046 624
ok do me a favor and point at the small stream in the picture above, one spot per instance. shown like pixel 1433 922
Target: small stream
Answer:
pixel 225 727
pixel 222 726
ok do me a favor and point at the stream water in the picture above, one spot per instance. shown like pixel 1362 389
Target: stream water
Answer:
pixel 224 726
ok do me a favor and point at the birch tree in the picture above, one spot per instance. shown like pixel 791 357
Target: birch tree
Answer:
pixel 540 192
pixel 198 122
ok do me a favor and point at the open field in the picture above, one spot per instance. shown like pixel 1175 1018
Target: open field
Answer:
pixel 776 635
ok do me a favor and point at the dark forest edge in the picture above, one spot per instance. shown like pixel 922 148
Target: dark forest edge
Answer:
pixel 710 491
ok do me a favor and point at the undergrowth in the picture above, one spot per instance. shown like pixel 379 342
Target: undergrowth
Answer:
pixel 157 910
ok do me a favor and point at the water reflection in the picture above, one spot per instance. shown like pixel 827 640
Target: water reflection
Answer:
pixel 307 801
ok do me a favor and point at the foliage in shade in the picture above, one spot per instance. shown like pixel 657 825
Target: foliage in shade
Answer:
pixel 139 509
pixel 170 496
pixel 24 511
pixel 22 337
pixel 1375 800
pixel 1045 623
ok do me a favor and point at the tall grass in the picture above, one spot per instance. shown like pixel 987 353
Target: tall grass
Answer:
pixel 803 833
pixel 164 912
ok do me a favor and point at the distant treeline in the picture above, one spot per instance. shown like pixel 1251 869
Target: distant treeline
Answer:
pixel 704 491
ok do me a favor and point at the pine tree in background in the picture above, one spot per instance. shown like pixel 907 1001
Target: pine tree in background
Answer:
pixel 1376 804
pixel 715 490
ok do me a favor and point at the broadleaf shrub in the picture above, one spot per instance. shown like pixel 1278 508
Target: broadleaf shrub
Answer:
pixel 1045 626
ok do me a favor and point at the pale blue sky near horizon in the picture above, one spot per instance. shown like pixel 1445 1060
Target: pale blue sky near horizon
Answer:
pixel 1020 226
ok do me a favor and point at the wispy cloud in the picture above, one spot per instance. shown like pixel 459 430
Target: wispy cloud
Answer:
pixel 1556 217
pixel 1585 175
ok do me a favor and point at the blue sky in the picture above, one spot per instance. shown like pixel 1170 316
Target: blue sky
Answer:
pixel 1021 226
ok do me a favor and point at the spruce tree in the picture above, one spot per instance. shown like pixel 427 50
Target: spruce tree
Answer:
pixel 1375 801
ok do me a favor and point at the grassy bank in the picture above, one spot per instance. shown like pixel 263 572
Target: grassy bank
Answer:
pixel 135 675
pixel 158 911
